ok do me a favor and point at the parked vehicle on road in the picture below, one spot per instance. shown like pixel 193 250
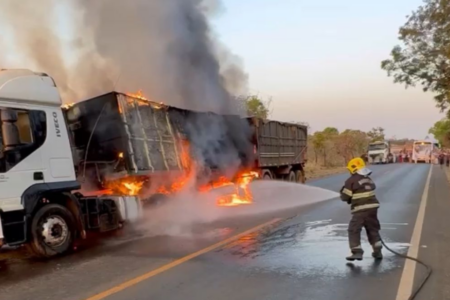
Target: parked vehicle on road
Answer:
pixel 425 151
pixel 280 149
pixel 380 153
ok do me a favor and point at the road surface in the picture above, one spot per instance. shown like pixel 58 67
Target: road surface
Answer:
pixel 293 253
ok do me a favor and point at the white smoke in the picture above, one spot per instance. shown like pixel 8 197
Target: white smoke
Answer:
pixel 181 214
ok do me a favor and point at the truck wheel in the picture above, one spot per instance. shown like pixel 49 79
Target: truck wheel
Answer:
pixel 267 175
pixel 300 176
pixel 52 231
pixel 291 177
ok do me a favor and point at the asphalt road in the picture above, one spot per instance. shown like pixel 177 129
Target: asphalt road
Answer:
pixel 300 254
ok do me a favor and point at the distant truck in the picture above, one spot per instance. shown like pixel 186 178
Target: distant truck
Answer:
pixel 280 149
pixel 380 153
pixel 425 151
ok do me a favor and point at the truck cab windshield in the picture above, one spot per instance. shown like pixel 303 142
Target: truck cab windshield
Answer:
pixel 377 147
pixel 419 147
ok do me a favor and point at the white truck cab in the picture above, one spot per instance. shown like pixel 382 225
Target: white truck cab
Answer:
pixel 37 176
pixel 379 152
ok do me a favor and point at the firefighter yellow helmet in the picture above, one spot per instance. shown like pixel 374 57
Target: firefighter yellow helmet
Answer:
pixel 355 165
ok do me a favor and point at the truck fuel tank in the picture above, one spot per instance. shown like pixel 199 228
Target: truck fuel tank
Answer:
pixel 108 212
pixel 130 208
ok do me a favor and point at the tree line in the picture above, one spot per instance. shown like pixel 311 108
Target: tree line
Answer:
pixel 423 58
pixel 331 148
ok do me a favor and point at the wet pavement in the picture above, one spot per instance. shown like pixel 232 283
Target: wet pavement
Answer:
pixel 299 257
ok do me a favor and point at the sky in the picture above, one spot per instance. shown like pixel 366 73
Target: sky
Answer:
pixel 319 61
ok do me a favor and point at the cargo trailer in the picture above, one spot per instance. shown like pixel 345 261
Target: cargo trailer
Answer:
pixel 280 149
pixel 117 136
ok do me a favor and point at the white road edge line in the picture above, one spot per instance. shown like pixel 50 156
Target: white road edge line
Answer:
pixel 407 280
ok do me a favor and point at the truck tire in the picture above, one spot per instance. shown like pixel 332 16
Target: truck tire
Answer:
pixel 267 175
pixel 292 177
pixel 300 176
pixel 52 231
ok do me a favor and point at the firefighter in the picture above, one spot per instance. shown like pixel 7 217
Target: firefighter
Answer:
pixel 359 192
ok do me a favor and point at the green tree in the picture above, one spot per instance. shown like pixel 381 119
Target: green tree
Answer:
pixel 323 143
pixel 257 107
pixel 331 131
pixel 376 134
pixel 352 143
pixel 441 131
pixel 424 57
pixel 318 142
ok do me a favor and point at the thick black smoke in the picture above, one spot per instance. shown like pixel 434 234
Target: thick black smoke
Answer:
pixel 164 47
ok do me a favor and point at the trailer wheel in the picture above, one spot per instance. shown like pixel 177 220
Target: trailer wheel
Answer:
pixel 300 176
pixel 292 177
pixel 52 231
pixel 267 175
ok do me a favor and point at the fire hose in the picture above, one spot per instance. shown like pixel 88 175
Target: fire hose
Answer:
pixel 428 269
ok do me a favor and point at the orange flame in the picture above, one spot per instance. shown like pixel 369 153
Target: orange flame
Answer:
pixel 139 95
pixel 127 186
pixel 132 185
pixel 239 198
pixel 68 105
pixel 145 101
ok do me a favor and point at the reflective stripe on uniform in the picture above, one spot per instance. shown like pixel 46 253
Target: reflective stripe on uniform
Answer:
pixel 365 206
pixel 363 195
pixel 377 245
pixel 347 192
pixel 1 231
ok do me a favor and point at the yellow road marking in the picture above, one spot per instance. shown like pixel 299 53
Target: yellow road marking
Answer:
pixel 177 262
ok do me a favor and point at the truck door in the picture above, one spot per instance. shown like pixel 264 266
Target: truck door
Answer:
pixel 23 132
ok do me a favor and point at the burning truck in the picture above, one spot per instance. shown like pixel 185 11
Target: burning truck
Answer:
pixel 127 144
pixel 91 166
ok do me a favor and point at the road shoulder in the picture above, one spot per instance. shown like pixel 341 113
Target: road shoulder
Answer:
pixel 435 241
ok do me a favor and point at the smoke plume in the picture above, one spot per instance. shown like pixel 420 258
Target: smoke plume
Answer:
pixel 164 47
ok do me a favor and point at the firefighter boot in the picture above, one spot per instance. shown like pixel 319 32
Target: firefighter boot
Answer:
pixel 377 250
pixel 357 254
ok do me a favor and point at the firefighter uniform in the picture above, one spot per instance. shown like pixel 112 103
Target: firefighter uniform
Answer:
pixel 359 192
